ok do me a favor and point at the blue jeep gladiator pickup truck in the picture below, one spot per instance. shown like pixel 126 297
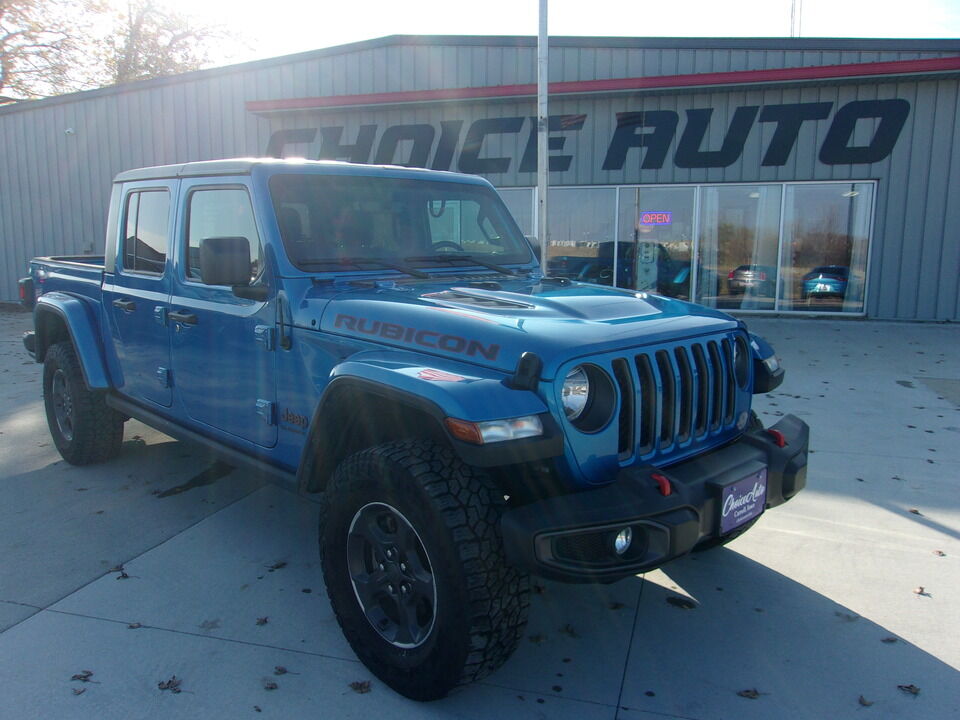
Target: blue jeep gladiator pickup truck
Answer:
pixel 385 337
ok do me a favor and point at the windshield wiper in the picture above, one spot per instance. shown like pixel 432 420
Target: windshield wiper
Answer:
pixel 467 259
pixel 358 261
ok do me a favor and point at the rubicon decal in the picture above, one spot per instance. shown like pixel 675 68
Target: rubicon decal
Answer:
pixel 417 336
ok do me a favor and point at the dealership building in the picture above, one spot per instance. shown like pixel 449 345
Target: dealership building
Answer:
pixel 812 176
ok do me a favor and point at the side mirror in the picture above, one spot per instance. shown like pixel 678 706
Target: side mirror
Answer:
pixel 225 261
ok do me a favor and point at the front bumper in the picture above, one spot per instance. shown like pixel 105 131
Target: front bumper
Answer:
pixel 569 537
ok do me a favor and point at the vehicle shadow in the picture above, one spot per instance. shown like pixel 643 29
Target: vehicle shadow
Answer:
pixel 718 623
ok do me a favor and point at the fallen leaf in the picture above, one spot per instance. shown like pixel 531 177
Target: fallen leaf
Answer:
pixel 256 708
pixel 134 626
pixel 569 631
pixel 83 676
pixel 281 670
pixel 939 553
pixel 910 689
pixel 752 693
pixel 846 617
pixel 920 590
pixel 616 605
pixel 79 691
pixel 889 640
pixel 277 565
pixel 866 703
pixel 173 684
pixel 360 686
pixel 263 620
pixel 123 573
pixel 681 602
pixel 270 685
pixel 914 511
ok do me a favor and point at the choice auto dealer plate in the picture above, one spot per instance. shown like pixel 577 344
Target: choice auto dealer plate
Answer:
pixel 743 500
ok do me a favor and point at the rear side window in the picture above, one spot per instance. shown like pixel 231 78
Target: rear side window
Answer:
pixel 145 231
pixel 220 212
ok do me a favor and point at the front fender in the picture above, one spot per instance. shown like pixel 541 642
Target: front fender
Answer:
pixel 410 396
pixel 466 392
pixel 57 309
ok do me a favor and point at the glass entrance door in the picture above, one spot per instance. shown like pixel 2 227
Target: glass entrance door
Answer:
pixel 655 240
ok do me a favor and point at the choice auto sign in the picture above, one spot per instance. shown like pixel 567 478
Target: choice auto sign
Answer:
pixel 861 131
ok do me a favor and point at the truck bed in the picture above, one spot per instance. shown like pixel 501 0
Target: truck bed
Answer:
pixel 76 274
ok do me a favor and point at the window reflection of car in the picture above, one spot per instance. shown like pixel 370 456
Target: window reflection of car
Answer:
pixel 567 266
pixel 825 281
pixel 757 279
pixel 673 276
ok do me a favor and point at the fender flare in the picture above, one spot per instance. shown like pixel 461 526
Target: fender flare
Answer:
pixel 360 381
pixel 81 324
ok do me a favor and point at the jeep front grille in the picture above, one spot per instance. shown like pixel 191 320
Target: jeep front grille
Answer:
pixel 670 398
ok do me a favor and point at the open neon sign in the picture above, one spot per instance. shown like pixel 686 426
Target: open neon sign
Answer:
pixel 651 217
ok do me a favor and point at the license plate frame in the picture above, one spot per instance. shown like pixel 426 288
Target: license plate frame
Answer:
pixel 742 501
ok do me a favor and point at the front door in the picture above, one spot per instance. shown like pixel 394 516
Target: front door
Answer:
pixel 224 359
pixel 136 295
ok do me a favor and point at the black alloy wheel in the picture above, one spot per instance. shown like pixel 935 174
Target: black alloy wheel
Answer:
pixel 391 575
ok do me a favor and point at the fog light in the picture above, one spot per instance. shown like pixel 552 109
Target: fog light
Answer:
pixel 621 543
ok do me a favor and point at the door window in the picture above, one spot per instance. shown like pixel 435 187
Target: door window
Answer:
pixel 145 231
pixel 220 212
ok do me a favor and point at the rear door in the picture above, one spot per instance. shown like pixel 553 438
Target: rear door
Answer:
pixel 136 297
pixel 224 355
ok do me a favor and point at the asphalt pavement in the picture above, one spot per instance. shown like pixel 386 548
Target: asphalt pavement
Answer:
pixel 167 584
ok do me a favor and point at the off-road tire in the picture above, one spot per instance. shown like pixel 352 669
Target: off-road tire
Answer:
pixel 481 601
pixel 91 432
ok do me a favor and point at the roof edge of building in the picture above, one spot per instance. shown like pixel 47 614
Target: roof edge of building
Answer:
pixel 653 43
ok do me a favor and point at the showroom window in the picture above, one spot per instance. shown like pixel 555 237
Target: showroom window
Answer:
pixel 581 232
pixel 826 231
pixel 519 202
pixel 739 246
pixel 772 247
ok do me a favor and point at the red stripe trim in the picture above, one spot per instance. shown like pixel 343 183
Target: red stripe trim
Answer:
pixel 896 67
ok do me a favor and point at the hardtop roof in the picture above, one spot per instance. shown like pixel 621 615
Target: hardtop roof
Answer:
pixel 245 166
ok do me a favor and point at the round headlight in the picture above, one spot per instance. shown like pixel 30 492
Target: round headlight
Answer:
pixel 575 393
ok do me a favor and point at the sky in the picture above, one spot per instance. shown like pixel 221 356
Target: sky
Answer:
pixel 282 27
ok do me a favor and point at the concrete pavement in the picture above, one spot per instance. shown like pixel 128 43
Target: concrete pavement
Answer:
pixel 813 609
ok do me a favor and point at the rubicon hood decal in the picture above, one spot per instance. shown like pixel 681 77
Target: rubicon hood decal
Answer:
pixel 418 336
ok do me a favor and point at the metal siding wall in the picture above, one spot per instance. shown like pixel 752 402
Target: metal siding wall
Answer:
pixel 54 187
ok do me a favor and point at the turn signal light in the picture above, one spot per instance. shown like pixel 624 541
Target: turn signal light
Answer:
pixel 493 431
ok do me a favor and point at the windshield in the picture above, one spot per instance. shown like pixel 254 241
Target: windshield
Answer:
pixel 331 219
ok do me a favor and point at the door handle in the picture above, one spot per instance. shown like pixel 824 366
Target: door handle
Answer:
pixel 125 305
pixel 187 318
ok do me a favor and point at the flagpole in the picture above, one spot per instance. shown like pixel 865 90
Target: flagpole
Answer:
pixel 542 129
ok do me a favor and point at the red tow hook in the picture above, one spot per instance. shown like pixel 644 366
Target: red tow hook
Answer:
pixel 778 439
pixel 663 483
